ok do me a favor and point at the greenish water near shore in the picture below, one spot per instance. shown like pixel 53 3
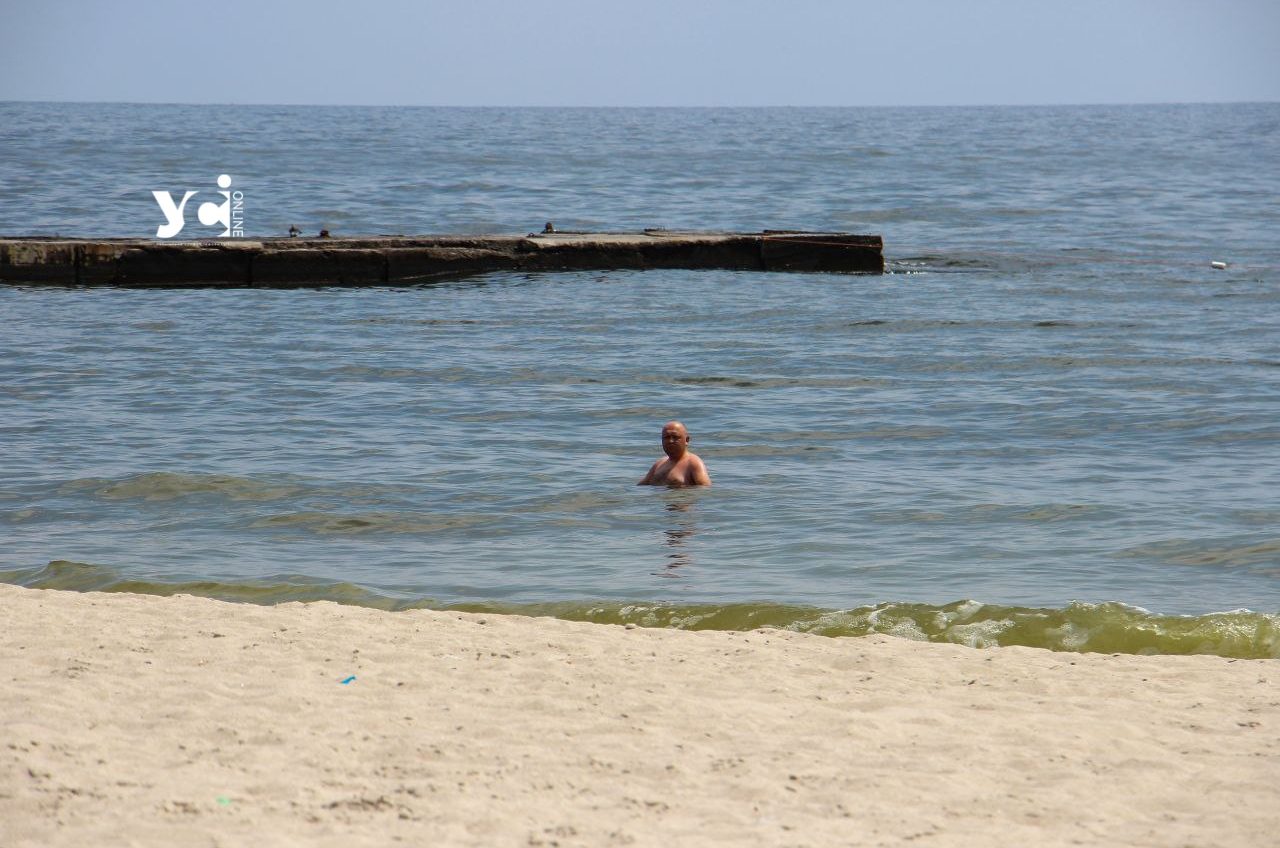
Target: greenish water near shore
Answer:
pixel 1077 627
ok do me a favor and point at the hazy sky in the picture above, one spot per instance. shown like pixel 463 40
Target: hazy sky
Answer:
pixel 650 53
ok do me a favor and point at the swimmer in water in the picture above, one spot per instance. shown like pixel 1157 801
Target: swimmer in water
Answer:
pixel 680 467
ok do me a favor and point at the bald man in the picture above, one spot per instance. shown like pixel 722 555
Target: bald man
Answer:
pixel 680 467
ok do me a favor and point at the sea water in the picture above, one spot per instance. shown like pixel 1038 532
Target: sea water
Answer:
pixel 1052 422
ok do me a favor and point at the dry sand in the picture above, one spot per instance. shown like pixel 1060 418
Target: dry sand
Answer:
pixel 132 720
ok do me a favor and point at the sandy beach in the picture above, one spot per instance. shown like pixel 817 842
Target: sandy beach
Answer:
pixel 150 721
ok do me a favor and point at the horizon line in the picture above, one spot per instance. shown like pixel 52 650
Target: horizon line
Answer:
pixel 1018 105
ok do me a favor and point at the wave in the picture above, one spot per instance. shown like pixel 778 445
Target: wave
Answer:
pixel 781 382
pixel 71 576
pixel 1222 553
pixel 1114 628
pixel 168 486
pixel 165 486
pixel 918 325
pixel 330 523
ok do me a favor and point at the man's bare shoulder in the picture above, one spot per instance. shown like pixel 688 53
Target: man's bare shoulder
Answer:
pixel 695 471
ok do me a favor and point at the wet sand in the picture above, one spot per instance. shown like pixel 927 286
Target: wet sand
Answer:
pixel 138 720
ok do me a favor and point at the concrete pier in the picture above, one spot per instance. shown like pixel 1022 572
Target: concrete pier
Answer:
pixel 404 260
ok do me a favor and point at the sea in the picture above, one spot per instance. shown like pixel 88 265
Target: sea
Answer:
pixel 1052 422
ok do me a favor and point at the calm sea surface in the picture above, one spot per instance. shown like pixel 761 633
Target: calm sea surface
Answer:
pixel 1052 423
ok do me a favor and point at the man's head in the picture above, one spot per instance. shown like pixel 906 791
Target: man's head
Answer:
pixel 675 439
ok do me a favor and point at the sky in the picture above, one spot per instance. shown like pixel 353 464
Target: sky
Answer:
pixel 650 53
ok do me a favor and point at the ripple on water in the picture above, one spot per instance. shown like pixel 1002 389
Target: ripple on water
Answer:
pixel 169 485
pixel 377 523
pixel 991 513
pixel 781 382
pixel 1220 553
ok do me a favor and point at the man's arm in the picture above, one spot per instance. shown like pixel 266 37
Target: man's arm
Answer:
pixel 698 475
pixel 648 478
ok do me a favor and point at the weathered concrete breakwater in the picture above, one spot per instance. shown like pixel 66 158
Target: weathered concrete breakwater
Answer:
pixel 390 260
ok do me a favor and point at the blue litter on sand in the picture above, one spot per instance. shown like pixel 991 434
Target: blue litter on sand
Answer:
pixel 348 680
